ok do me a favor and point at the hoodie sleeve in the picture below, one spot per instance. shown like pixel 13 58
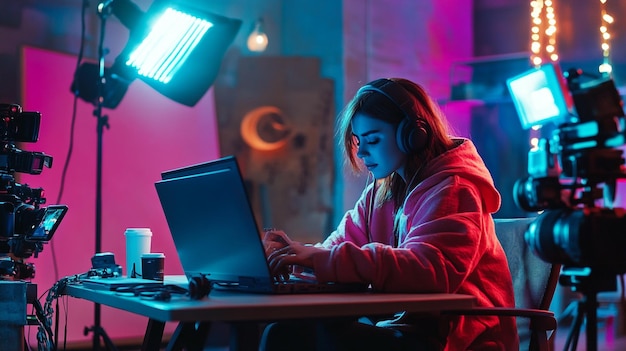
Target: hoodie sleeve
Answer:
pixel 440 240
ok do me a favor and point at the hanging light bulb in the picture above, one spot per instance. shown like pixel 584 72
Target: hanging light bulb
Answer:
pixel 257 41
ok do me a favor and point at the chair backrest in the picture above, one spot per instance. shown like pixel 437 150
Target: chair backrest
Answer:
pixel 534 280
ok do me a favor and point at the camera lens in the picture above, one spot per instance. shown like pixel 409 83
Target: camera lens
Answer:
pixel 536 194
pixel 555 236
pixel 540 239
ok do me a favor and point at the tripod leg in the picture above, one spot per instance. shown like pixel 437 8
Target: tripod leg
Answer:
pixel 572 337
pixel 107 341
pixel 98 332
pixel 592 322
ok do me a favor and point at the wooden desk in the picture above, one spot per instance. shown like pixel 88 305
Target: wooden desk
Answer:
pixel 241 309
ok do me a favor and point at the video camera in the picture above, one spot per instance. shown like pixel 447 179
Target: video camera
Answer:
pixel 25 225
pixel 574 172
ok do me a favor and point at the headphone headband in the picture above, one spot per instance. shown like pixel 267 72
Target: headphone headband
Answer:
pixel 394 92
pixel 412 132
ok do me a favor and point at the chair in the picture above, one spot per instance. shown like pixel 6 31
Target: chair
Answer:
pixel 534 284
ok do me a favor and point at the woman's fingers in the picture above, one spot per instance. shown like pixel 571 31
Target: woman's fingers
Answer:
pixel 271 246
pixel 280 262
pixel 282 253
pixel 278 254
pixel 274 239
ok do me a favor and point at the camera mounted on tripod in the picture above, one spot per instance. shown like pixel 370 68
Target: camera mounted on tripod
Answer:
pixel 573 173
pixel 25 225
pixel 573 176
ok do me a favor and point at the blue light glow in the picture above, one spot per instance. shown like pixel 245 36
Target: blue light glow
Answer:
pixel 163 52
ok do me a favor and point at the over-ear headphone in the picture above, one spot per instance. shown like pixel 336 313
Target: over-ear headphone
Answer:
pixel 412 131
pixel 199 287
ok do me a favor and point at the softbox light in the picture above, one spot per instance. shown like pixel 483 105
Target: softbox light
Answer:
pixel 175 48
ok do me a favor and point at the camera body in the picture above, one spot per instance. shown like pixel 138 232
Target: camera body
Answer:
pixel 573 173
pixel 25 224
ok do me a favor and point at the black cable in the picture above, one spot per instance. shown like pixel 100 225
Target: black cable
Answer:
pixel 56 325
pixel 72 126
pixel 370 207
pixel 42 340
pixel 26 344
pixel 44 313
pixel 39 311
pixel 65 326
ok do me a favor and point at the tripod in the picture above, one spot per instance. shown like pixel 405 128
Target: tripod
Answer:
pixel 589 283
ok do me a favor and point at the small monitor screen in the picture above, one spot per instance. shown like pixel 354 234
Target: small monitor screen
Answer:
pixel 48 221
pixel 541 96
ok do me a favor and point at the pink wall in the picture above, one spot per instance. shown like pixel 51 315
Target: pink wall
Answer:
pixel 148 134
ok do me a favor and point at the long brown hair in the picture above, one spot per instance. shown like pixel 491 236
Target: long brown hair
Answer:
pixel 378 106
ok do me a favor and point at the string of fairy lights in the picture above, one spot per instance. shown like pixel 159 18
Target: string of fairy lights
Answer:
pixel 543 34
pixel 543 44
pixel 543 41
pixel 607 21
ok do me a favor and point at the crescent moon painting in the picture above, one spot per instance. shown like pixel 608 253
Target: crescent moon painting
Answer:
pixel 265 128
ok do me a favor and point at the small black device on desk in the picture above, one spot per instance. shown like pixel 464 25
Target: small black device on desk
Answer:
pixel 105 274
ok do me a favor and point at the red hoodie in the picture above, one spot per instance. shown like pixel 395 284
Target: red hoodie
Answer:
pixel 446 244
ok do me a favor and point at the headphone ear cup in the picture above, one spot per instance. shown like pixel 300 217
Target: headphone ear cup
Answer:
pixel 421 135
pixel 411 135
pixel 199 287
pixel 403 134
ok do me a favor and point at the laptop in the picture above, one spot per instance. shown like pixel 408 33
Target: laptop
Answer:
pixel 215 231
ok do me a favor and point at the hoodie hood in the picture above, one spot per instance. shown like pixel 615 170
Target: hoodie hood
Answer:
pixel 462 161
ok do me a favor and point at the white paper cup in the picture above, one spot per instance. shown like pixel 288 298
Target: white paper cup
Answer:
pixel 137 243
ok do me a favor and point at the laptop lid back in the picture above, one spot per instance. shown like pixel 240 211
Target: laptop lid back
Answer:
pixel 199 168
pixel 212 223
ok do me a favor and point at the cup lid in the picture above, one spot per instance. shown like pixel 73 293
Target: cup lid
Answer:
pixel 138 231
pixel 153 255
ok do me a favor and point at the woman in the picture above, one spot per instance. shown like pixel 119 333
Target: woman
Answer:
pixel 424 225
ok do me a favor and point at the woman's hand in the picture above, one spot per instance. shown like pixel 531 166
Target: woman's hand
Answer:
pixel 282 253
pixel 273 240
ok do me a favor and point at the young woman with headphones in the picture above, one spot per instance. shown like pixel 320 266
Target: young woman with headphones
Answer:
pixel 423 225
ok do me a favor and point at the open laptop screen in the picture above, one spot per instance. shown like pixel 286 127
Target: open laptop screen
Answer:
pixel 212 223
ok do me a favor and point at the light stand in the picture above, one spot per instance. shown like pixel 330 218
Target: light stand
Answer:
pixel 102 121
pixel 178 76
